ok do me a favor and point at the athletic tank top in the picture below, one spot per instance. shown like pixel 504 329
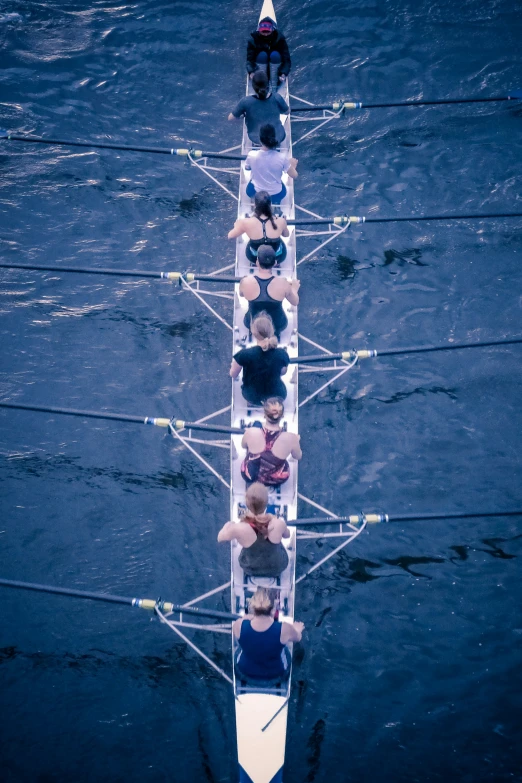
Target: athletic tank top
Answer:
pixel 266 303
pixel 261 654
pixel 255 244
pixel 263 558
pixel 266 467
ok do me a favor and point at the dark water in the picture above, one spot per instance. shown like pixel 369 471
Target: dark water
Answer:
pixel 410 668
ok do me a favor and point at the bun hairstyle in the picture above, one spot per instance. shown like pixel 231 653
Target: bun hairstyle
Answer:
pixel 262 327
pixel 274 409
pixel 261 85
pixel 261 602
pixel 267 136
pixel 263 206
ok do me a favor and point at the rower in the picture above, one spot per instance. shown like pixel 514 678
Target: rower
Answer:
pixel 263 228
pixel 268 166
pixel 260 108
pixel 263 654
pixel 260 534
pixel 266 293
pixel 268 447
pixel 267 50
pixel 262 364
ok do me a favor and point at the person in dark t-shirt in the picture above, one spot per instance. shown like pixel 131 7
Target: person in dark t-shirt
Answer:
pixel 263 365
pixel 260 109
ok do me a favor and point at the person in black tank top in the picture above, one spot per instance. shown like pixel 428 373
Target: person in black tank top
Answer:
pixel 266 258
pixel 263 206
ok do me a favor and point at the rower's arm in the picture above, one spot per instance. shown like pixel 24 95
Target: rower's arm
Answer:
pixel 291 632
pixel 285 232
pixel 291 292
pixel 235 369
pixel 237 230
pixel 227 532
pixel 292 169
pixel 296 450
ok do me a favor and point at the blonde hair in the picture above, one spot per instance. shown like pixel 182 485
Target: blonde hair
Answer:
pixel 262 328
pixel 261 602
pixel 274 409
pixel 256 499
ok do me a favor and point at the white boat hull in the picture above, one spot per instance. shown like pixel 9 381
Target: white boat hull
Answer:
pixel 261 753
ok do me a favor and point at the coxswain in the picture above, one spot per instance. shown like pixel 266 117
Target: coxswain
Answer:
pixel 261 108
pixel 262 641
pixel 268 447
pixel 267 166
pixel 263 228
pixel 260 534
pixel 267 50
pixel 262 364
pixel 266 293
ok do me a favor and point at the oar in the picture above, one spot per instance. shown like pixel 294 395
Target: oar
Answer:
pixel 141 603
pixel 189 277
pixel 374 518
pixel 344 220
pixel 123 147
pixel 370 354
pixel 514 95
pixel 177 424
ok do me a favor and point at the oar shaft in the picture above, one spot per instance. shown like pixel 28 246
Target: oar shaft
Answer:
pixel 77 412
pixel 340 105
pixel 449 347
pixel 343 220
pixel 376 517
pixel 369 354
pixel 89 270
pixel 179 424
pixel 85 270
pixel 442 102
pixel 142 603
pixel 121 147
pixel 220 155
pixel 92 144
pixel 493 215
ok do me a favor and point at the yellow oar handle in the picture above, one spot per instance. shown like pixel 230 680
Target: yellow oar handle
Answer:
pixel 342 105
pixel 347 356
pixel 343 220
pixel 184 153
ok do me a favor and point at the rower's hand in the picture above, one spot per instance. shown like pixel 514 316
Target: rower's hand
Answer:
pixel 299 626
pixel 251 75
pixel 282 78
pixel 294 162
pixel 295 285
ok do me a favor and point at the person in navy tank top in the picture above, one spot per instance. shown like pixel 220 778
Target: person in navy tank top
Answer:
pixel 262 641
pixel 266 292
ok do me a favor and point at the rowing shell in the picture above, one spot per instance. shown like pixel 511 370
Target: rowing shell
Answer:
pixel 261 713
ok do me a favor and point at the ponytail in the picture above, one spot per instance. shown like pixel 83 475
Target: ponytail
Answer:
pixel 262 327
pixel 261 85
pixel 263 206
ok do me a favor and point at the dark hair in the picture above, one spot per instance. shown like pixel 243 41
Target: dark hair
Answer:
pixel 261 85
pixel 266 256
pixel 267 136
pixel 263 206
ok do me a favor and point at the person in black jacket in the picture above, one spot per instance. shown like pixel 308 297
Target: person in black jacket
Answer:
pixel 267 50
